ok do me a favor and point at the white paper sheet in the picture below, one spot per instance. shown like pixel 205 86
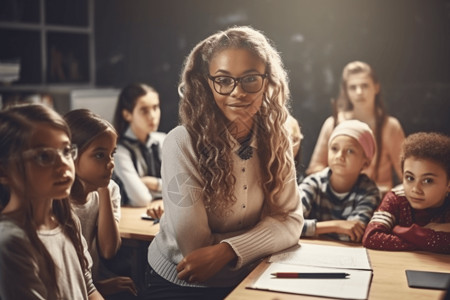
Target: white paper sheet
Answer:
pixel 317 259
pixel 355 286
pixel 325 256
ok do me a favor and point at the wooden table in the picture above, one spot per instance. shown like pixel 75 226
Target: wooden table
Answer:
pixel 131 226
pixel 388 282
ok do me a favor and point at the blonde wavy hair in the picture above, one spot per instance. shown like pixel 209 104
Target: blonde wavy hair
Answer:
pixel 209 128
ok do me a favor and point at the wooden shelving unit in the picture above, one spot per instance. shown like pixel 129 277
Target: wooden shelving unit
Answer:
pixel 52 40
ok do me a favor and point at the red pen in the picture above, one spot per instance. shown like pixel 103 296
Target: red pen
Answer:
pixel 310 275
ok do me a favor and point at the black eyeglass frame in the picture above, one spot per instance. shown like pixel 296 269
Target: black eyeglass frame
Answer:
pixel 236 81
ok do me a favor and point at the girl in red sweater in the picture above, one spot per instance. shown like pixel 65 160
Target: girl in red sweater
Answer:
pixel 416 216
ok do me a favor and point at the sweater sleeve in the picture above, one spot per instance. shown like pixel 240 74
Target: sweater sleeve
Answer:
pixel 308 189
pixel 368 199
pixel 378 236
pixel 379 232
pixel 319 158
pixel 137 192
pixel 424 238
pixel 187 219
pixel 271 234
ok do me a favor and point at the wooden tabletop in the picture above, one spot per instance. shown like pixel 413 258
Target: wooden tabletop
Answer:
pixel 388 282
pixel 132 226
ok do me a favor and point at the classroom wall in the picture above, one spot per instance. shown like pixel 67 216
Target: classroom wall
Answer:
pixel 407 42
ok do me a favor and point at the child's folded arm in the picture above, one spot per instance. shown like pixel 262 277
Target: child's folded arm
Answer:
pixel 381 237
pixel 425 238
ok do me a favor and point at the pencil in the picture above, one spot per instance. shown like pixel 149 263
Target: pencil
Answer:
pixel 309 275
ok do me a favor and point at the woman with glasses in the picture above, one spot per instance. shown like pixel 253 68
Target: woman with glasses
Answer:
pixel 229 184
pixel 42 252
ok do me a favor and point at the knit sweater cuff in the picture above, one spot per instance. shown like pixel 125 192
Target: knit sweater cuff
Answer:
pixel 249 247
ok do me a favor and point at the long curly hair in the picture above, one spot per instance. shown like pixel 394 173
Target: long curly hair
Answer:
pixel 16 127
pixel 209 128
pixel 344 104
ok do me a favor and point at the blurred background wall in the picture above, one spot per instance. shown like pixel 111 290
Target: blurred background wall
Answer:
pixel 406 41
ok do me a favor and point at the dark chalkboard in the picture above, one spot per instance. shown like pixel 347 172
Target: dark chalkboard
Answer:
pixel 406 41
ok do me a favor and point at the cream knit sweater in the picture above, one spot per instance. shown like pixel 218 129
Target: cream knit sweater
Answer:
pixel 186 225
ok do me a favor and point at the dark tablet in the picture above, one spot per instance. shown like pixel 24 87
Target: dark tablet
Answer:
pixel 428 280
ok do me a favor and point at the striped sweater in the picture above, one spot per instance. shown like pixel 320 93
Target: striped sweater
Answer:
pixel 320 203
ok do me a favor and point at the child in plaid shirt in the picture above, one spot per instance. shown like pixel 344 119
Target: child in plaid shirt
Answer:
pixel 339 200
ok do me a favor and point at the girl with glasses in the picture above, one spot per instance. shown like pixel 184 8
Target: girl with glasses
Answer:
pixel 229 185
pixel 96 198
pixel 42 252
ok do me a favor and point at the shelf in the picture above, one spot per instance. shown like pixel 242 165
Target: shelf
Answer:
pixel 51 39
pixel 23 46
pixel 67 57
pixel 53 88
pixel 39 27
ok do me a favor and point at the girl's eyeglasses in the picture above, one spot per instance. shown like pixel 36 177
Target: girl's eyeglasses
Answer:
pixel 46 156
pixel 225 85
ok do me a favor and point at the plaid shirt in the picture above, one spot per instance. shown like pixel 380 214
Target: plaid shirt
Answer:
pixel 320 203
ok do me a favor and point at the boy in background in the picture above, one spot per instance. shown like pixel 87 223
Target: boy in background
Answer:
pixel 339 200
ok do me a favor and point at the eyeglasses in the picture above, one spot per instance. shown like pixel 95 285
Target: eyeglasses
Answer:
pixel 46 157
pixel 225 85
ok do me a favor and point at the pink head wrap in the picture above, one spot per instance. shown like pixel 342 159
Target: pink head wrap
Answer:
pixel 358 130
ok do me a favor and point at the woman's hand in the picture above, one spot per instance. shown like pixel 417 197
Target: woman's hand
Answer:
pixel 203 263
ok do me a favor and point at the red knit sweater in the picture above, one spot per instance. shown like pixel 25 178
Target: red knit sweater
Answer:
pixel 397 226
